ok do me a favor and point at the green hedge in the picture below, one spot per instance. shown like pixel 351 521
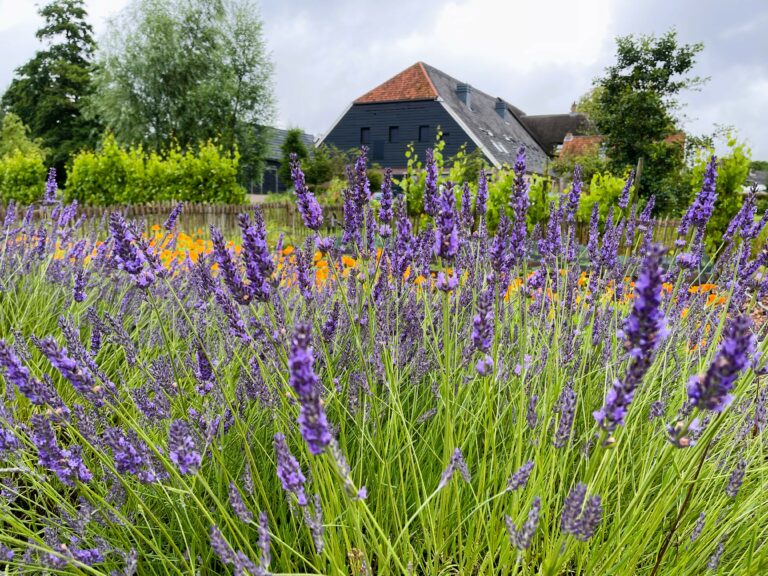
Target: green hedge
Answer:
pixel 22 177
pixel 117 175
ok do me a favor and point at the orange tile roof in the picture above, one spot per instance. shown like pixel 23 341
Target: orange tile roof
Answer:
pixel 580 145
pixel 413 83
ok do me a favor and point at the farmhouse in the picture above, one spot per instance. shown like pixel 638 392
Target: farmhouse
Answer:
pixel 412 105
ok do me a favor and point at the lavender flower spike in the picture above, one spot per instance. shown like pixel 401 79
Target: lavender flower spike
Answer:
pixel 447 230
pixel 51 188
pixel 574 195
pixel 18 374
pixel 385 209
pixel 182 448
pixel 306 202
pixel 624 197
pixel 430 185
pixel 482 322
pixel 238 504
pixel 312 418
pixel 457 463
pixel 288 470
pixel 80 377
pixel 520 478
pixel 578 519
pixel 711 391
pixel 643 331
pixel 173 217
pixel 703 205
pixel 67 464
pixel 521 539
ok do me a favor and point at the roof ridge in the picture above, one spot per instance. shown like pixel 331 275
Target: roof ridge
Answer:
pixel 413 83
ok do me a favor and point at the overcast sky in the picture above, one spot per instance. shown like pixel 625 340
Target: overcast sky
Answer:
pixel 540 55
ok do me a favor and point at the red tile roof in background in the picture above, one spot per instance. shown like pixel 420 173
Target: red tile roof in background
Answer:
pixel 580 145
pixel 413 83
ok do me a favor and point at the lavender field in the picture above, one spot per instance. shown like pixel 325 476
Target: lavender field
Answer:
pixel 449 402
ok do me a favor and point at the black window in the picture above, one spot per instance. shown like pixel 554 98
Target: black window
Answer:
pixel 365 136
pixel 394 133
pixel 423 133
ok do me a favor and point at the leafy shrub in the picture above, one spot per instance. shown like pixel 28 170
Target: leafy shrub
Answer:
pixel 22 168
pixel 605 189
pixel 117 175
pixel 22 177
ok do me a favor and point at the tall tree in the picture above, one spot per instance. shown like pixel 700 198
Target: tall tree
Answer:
pixel 48 93
pixel 185 71
pixel 635 109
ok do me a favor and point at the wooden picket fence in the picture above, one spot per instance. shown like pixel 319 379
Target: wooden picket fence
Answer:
pixel 198 218
pixel 280 216
pixel 664 231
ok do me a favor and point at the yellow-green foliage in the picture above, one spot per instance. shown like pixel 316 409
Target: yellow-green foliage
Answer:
pixel 117 175
pixel 22 177
pixel 500 185
pixel 22 171
pixel 605 189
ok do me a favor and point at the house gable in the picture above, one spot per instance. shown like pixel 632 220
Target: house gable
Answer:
pixel 391 126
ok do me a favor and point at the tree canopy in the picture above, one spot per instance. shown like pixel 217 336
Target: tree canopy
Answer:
pixel 635 106
pixel 184 71
pixel 48 93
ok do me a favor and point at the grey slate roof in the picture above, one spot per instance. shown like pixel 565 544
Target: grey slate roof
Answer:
pixel 275 139
pixel 550 129
pixel 498 137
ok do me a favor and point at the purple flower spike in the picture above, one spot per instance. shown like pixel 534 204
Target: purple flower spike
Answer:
pixel 446 282
pixel 229 269
pixel 482 322
pixel 520 477
pixel 578 519
pixel 711 391
pixel 51 188
pixel 481 199
pixel 259 265
pixel 385 209
pixel 700 211
pixel 457 463
pixel 643 330
pixel 521 539
pixel 67 464
pixel 431 205
pixel 624 197
pixel 519 204
pixel 173 217
pixel 306 202
pixel 447 229
pixel 289 471
pixel 128 257
pixel 79 376
pixel 306 384
pixel 574 195
pixel 238 504
pixel 18 374
pixel 484 366
pixel 182 448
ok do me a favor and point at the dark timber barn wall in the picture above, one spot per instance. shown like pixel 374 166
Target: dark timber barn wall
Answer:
pixel 408 117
